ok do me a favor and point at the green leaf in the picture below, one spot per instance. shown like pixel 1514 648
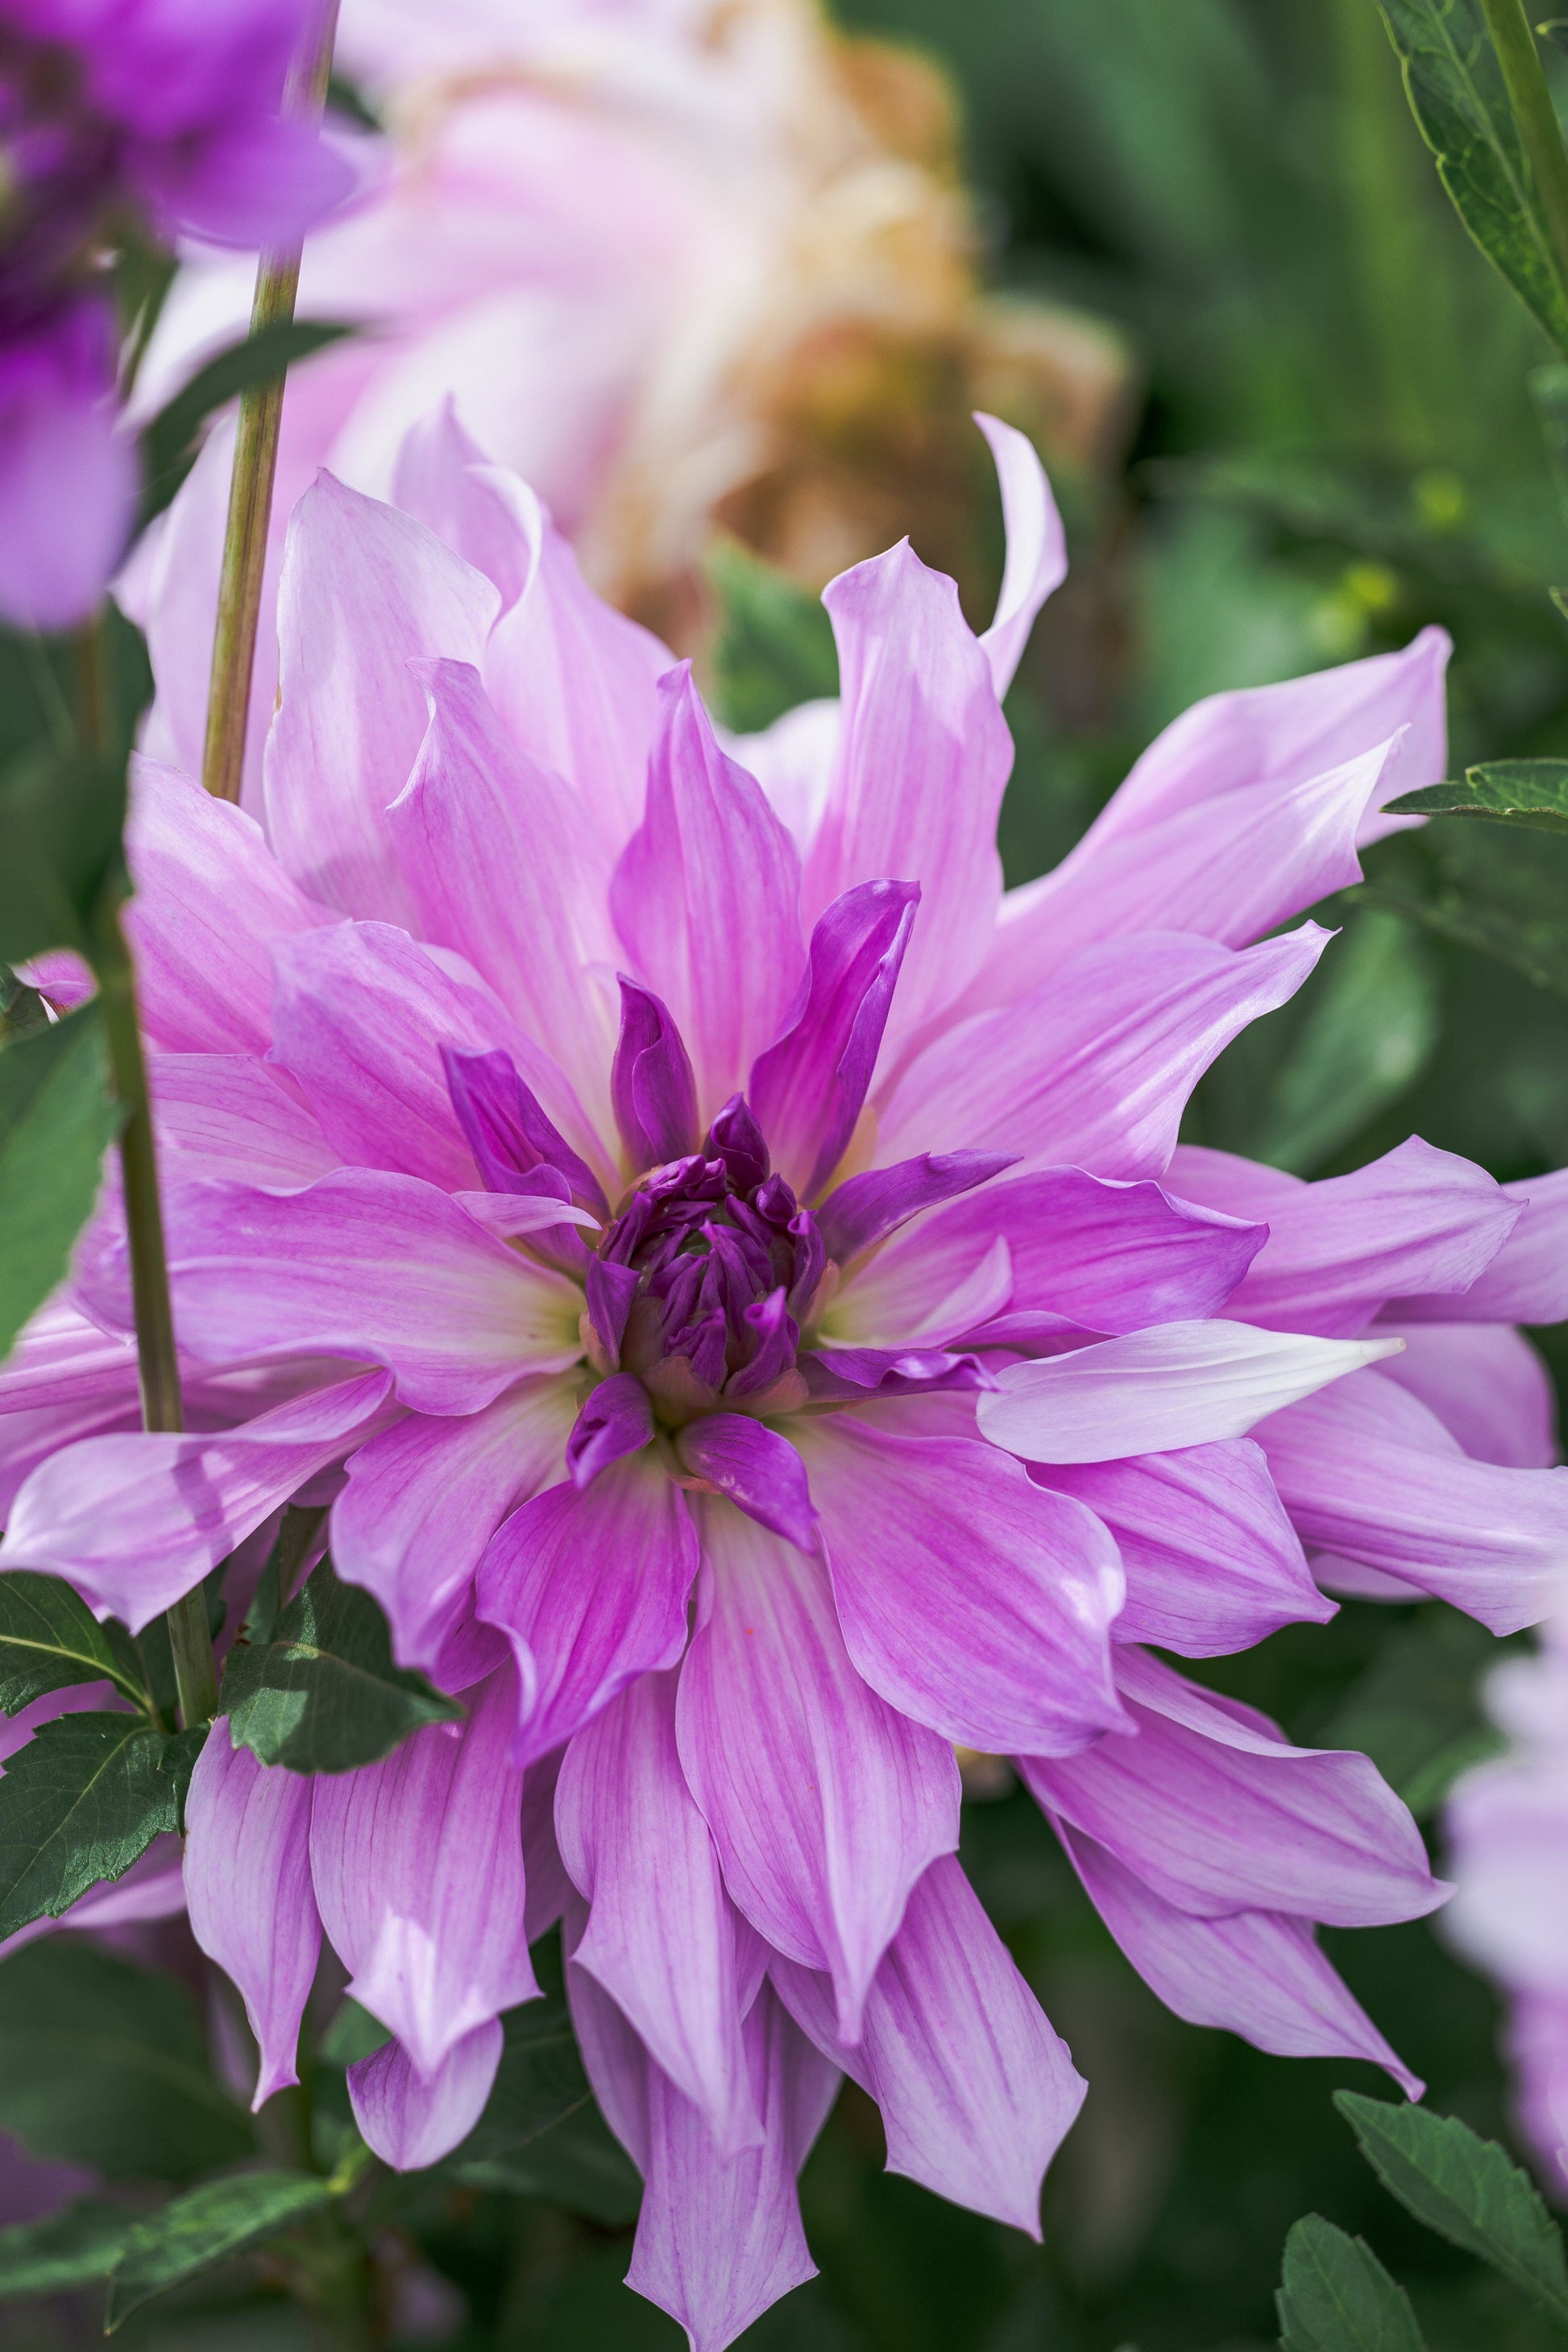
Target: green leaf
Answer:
pixel 57 1118
pixel 1336 2296
pixel 1467 2189
pixel 104 2064
pixel 1494 889
pixel 1457 93
pixel 69 2248
pixel 1414 1711
pixel 60 820
pixel 323 1695
pixel 49 1638
pixel 209 2225
pixel 541 2134
pixel 169 443
pixel 1531 793
pixel 79 1803
pixel 774 647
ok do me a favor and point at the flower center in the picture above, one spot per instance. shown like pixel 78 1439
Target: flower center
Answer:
pixel 716 1267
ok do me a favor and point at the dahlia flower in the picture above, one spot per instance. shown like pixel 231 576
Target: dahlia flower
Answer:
pixel 162 120
pixel 681 266
pixel 722 1261
pixel 1508 1836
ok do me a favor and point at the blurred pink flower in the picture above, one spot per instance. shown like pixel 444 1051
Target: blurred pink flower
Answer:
pixel 159 117
pixel 750 1378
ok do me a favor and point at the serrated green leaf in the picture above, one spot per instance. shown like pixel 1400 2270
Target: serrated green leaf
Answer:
pixel 1529 793
pixel 1336 2296
pixel 84 1798
pixel 1457 95
pixel 169 443
pixel 49 1638
pixel 1467 2189
pixel 210 2224
pixel 324 1696
pixel 774 647
pixel 60 820
pixel 57 1118
pixel 1415 1710
pixel 104 2064
pixel 69 2248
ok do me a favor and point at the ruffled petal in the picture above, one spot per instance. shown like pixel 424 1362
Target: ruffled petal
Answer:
pixel 412 2120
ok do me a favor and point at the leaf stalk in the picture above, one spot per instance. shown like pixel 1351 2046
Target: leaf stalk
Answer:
pixel 1538 129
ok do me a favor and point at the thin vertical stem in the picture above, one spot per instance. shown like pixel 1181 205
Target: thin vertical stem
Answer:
pixel 1530 98
pixel 195 1675
pixel 255 468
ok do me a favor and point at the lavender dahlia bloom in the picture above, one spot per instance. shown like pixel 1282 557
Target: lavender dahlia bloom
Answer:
pixel 158 118
pixel 719 1258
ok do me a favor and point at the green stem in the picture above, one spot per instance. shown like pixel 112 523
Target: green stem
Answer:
pixel 1530 98
pixel 255 468
pixel 195 1675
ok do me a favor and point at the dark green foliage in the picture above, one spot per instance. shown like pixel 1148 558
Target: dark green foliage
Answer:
pixel 1336 2296
pixel 49 1638
pixel 1415 1710
pixel 81 1801
pixel 1529 793
pixel 104 2064
pixel 321 1694
pixel 71 2249
pixel 209 2225
pixel 1467 2190
pixel 59 820
pixel 774 645
pixel 541 2134
pixel 1457 93
pixel 57 1118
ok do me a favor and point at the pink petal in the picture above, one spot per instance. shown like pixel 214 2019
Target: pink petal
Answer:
pixel 718 2240
pixel 231 1114
pixel 1101 1256
pixel 1150 1391
pixel 362 1014
pixel 1371 1474
pixel 424 1498
pixel 706 898
pixel 493 850
pixel 369 1266
pixel 1210 1807
pixel 1417 1220
pixel 757 1467
pixel 1487 1386
pixel 923 757
pixel 61 1359
pixel 1095 1069
pixel 807 1089
pixel 826 1805
pixel 1230 869
pixel 364 589
pixel 970 1598
pixel 1037 548
pixel 248 1889
pixel 1256 1973
pixel 1527 1281
pixel 575 682
pixel 976 2091
pixel 662 1937
pixel 134 1520
pixel 417 1867
pixel 446 481
pixel 410 2119
pixel 590 1589
pixel 210 896
pixel 1212 1562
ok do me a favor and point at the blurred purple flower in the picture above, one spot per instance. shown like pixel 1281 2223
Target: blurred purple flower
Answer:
pixel 751 1379
pixel 119 119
